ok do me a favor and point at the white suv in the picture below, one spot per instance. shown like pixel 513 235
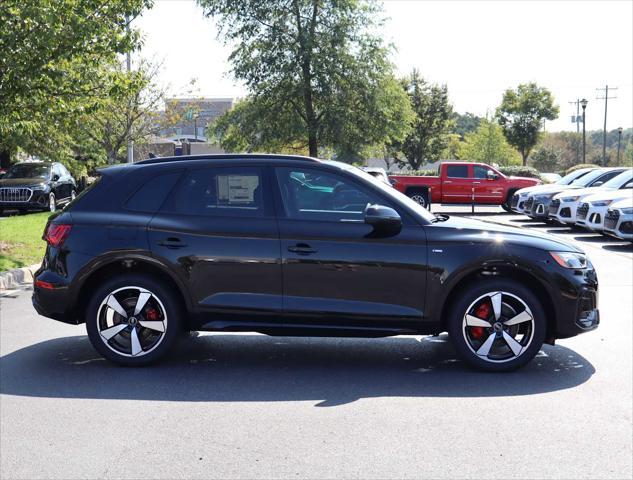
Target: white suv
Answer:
pixel 592 209
pixel 619 219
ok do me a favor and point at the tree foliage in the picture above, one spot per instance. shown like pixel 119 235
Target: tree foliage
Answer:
pixel 521 115
pixel 317 74
pixel 50 57
pixel 546 158
pixel 429 133
pixel 488 145
pixel 464 123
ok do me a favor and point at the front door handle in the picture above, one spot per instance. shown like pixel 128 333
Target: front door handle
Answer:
pixel 302 249
pixel 172 242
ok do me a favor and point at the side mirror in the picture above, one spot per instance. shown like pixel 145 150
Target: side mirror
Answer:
pixel 55 178
pixel 492 175
pixel 598 183
pixel 382 218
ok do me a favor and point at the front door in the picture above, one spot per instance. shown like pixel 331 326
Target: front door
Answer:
pixel 487 189
pixel 334 265
pixel 218 231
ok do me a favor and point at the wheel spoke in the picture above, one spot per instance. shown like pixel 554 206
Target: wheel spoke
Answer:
pixel 473 321
pixel 136 345
pixel 515 346
pixel 496 304
pixel 114 304
pixel 153 325
pixel 142 300
pixel 524 316
pixel 108 333
pixel 484 350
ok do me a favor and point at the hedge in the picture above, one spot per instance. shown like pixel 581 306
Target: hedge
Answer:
pixel 520 171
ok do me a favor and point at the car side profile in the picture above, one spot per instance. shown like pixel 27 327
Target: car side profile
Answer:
pixel 36 186
pixel 295 246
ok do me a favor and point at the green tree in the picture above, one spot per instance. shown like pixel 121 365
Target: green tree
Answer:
pixel 488 145
pixel 521 115
pixel 316 68
pixel 50 54
pixel 466 123
pixel 429 133
pixel 546 158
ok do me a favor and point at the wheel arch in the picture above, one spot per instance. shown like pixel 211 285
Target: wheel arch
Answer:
pixel 125 264
pixel 512 272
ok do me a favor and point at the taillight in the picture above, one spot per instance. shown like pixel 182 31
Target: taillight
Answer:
pixel 56 234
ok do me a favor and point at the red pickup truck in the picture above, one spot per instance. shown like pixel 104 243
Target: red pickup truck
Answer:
pixel 461 182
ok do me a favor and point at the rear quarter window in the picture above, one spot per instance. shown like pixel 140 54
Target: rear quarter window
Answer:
pixel 152 193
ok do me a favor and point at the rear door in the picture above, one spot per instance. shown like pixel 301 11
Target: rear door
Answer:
pixel 457 184
pixel 219 233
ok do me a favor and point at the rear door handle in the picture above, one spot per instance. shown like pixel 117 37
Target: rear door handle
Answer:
pixel 172 242
pixel 302 249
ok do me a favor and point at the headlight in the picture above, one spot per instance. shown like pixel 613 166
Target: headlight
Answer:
pixel 570 199
pixel 570 259
pixel 39 187
pixel 602 203
pixel 627 211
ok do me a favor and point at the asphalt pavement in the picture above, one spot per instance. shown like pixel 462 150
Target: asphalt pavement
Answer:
pixel 252 406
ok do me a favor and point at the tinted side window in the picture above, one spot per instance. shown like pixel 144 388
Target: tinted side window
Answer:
pixel 151 195
pixel 480 172
pixel 318 195
pixel 220 191
pixel 457 171
pixel 605 178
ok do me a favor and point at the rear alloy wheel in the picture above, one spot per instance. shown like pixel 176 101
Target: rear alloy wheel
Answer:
pixel 133 322
pixel 52 202
pixel 499 327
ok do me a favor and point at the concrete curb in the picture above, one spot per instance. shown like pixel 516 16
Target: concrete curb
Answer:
pixel 17 277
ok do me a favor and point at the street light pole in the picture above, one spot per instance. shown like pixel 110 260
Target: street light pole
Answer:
pixel 619 140
pixel 583 103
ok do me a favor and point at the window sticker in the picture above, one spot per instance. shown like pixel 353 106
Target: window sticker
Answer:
pixel 237 189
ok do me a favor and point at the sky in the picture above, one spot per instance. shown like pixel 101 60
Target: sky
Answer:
pixel 478 48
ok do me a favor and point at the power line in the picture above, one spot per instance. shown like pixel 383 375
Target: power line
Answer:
pixel 606 99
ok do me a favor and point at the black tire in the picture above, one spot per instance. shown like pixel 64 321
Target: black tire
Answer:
pixel 419 195
pixel 460 335
pixel 167 301
pixel 506 205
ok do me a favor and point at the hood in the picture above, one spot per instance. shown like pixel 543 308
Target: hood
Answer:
pixel 527 180
pixel 614 195
pixel 626 203
pixel 550 187
pixel 21 182
pixel 583 192
pixel 482 230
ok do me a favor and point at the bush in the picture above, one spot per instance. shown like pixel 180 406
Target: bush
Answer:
pixel 519 171
pixel 578 167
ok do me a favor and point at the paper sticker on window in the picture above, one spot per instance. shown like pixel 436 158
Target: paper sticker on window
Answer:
pixel 234 189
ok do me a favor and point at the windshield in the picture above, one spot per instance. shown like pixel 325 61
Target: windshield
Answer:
pixel 28 170
pixel 570 177
pixel 590 177
pixel 619 180
pixel 386 189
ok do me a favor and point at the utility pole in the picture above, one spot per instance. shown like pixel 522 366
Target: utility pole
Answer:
pixel 583 103
pixel 619 140
pixel 606 99
pixel 130 144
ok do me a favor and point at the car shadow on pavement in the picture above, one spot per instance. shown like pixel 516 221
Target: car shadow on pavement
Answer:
pixel 619 247
pixel 251 367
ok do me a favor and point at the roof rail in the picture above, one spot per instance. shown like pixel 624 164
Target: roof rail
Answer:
pixel 226 156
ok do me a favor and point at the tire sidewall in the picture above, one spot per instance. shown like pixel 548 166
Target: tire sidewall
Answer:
pixel 474 291
pixel 169 301
pixel 425 201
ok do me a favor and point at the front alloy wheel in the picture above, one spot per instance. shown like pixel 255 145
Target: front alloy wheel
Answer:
pixel 497 325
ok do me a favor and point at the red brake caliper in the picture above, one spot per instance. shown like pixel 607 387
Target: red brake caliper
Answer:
pixel 482 311
pixel 151 314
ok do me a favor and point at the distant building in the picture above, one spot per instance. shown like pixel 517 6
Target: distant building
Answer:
pixel 192 117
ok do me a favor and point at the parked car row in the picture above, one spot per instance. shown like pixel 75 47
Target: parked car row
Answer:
pixel 36 186
pixel 597 199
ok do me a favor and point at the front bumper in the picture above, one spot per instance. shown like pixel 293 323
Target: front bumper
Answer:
pixel 619 225
pixel 592 219
pixel 563 212
pixel 37 201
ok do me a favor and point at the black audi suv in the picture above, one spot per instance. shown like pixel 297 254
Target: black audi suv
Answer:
pixel 287 245
pixel 36 186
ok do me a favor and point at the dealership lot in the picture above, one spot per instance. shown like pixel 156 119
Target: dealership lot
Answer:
pixel 247 406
